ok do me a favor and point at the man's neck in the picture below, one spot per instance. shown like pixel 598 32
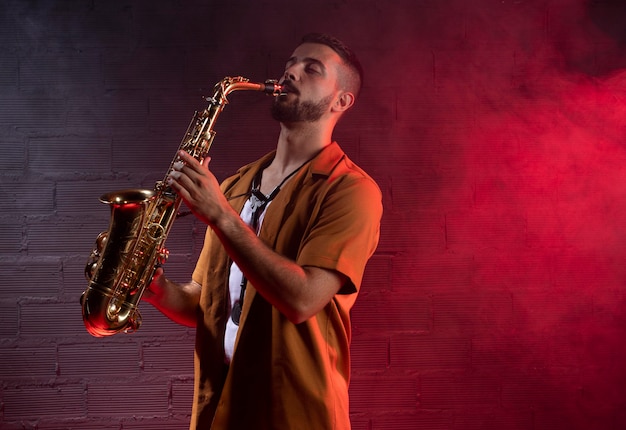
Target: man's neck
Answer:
pixel 296 145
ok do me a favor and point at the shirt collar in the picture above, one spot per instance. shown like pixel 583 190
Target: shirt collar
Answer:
pixel 322 164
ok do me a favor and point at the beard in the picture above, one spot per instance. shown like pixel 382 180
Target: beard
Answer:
pixel 283 111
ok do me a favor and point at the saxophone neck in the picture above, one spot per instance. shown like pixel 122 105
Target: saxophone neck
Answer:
pixel 229 84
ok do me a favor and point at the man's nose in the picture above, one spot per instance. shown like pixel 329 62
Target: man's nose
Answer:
pixel 289 74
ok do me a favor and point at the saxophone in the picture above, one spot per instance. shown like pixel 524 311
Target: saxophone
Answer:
pixel 124 258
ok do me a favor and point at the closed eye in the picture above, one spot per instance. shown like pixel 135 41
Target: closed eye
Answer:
pixel 311 65
pixel 313 68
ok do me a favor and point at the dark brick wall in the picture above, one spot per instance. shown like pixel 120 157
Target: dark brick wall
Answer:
pixel 496 130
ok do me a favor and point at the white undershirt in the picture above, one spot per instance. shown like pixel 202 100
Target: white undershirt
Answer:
pixel 234 284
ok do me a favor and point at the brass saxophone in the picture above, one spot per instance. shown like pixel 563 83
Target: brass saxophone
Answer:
pixel 124 258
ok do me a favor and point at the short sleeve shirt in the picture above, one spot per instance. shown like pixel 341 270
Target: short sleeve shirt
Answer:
pixel 284 375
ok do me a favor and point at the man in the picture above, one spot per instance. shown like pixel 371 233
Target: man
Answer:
pixel 288 239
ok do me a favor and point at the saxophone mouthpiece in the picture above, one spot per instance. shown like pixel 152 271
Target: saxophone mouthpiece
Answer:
pixel 273 88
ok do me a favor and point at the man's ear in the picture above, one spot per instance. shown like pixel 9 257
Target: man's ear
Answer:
pixel 344 101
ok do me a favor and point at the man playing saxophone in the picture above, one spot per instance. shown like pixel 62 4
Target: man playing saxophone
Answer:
pixel 287 242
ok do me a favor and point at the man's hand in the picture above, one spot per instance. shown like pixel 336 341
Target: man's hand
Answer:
pixel 199 188
pixel 155 291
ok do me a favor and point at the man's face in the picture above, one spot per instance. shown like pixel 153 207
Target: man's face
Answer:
pixel 310 83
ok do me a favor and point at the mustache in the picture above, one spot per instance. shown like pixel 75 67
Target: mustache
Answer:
pixel 289 87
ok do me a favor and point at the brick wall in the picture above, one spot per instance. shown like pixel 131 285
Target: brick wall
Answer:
pixel 496 130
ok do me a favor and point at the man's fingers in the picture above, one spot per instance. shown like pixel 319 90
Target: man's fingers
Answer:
pixel 176 181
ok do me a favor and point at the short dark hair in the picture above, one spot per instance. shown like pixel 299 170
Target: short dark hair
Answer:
pixel 355 80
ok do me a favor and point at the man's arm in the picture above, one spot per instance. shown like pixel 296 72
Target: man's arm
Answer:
pixel 178 302
pixel 297 292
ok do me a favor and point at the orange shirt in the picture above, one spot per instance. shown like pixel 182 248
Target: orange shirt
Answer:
pixel 283 375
